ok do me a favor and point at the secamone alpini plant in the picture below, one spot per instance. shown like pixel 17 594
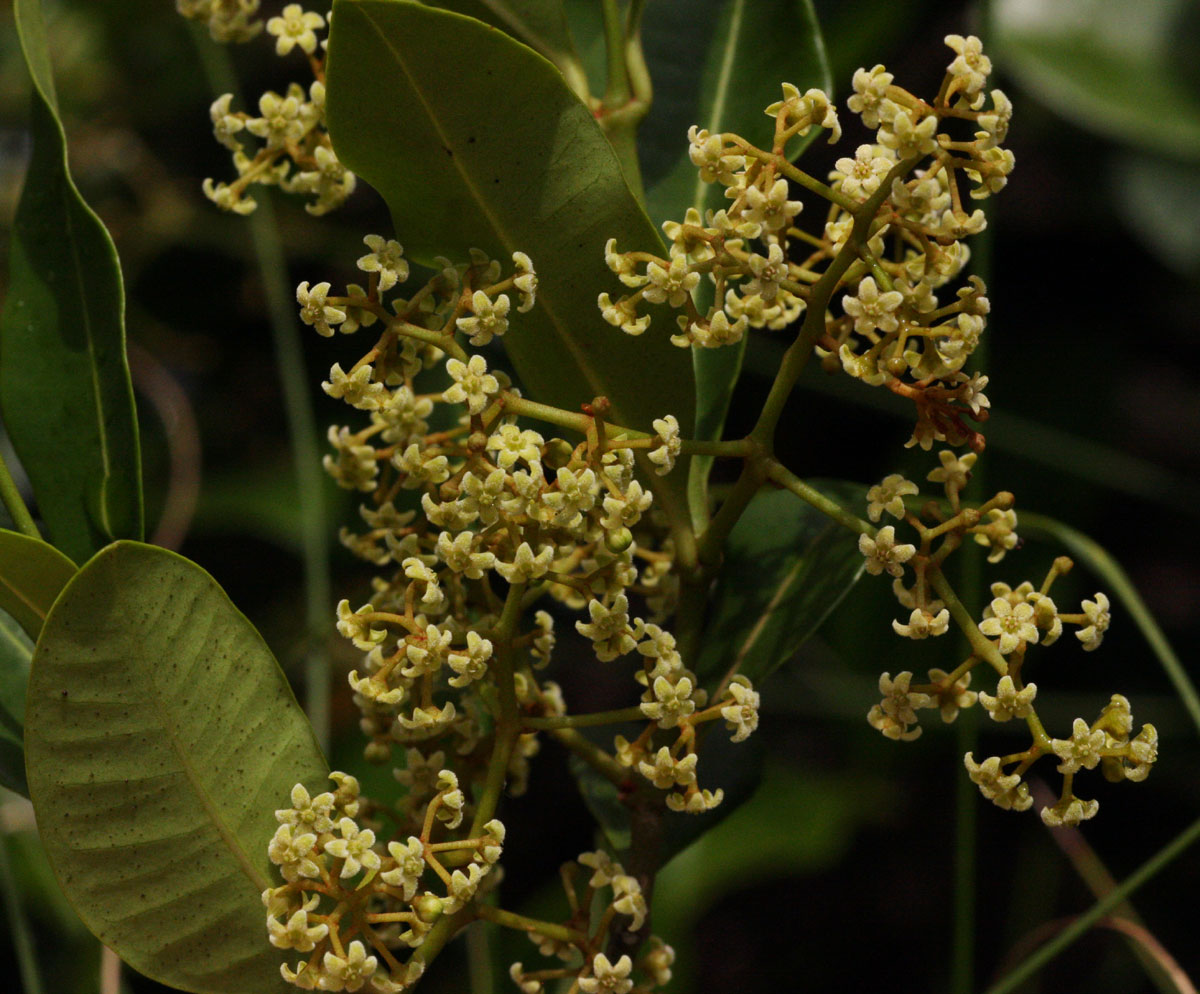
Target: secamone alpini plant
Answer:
pixel 536 393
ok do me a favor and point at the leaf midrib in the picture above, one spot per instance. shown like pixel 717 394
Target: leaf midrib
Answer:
pixel 160 701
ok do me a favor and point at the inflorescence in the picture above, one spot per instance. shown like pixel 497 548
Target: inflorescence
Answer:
pixel 472 520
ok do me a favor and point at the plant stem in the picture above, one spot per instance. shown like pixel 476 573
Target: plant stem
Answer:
pixel 508 725
pixel 31 980
pixel 510 919
pixel 619 112
pixel 479 959
pixel 969 577
pixel 16 503
pixel 302 426
pixel 635 58
pixel 981 645
pixel 794 360
pixel 593 755
pixel 616 89
pixel 790 481
pixel 585 720
pixel 1098 910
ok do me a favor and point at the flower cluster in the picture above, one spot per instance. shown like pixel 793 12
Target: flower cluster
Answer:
pixel 1015 619
pixel 348 900
pixel 227 20
pixel 477 522
pixel 592 971
pixel 501 508
pixel 470 519
pixel 295 153
pixel 893 237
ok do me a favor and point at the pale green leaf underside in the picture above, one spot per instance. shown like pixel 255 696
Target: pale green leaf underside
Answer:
pixel 32 573
pixel 475 141
pixel 65 389
pixel 787 567
pixel 160 737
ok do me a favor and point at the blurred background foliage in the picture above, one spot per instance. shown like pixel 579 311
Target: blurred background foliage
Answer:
pixel 839 873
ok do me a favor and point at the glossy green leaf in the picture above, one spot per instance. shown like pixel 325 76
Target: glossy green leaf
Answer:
pixel 161 735
pixel 787 566
pixel 32 573
pixel 717 64
pixel 474 140
pixel 16 649
pixel 1125 70
pixel 65 391
pixel 750 48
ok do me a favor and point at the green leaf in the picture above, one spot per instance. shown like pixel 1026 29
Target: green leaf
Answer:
pixel 32 573
pixel 474 140
pixel 65 390
pixel 161 736
pixel 603 801
pixel 1125 70
pixel 1159 199
pixel 787 566
pixel 16 649
pixel 750 47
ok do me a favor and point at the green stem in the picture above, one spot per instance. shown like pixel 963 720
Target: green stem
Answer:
pixel 510 919
pixel 795 174
pixel 712 541
pixel 969 578
pixel 480 967
pixel 593 755
pixel 1077 928
pixel 575 420
pixel 966 808
pixel 635 58
pixel 794 360
pixel 302 426
pixel 830 508
pixel 619 112
pixel 508 724
pixel 616 89
pixel 585 720
pixel 575 76
pixel 444 929
pixel 981 645
pixel 16 503
pixel 31 980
